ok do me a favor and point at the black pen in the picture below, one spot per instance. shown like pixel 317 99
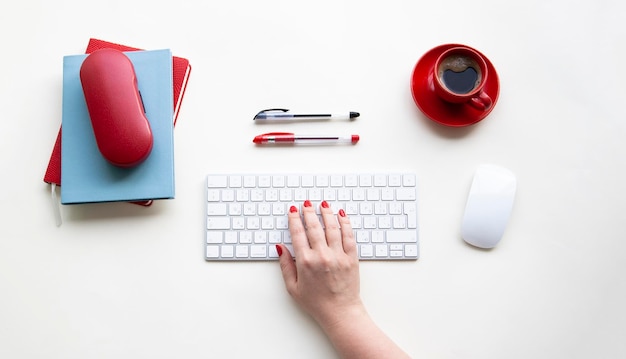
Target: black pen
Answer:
pixel 281 114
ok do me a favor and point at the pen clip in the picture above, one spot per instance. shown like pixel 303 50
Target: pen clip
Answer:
pixel 270 110
pixel 278 134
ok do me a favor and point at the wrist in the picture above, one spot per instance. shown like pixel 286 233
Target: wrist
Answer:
pixel 355 335
pixel 343 317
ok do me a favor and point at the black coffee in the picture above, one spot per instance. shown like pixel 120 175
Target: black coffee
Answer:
pixel 459 74
pixel 460 82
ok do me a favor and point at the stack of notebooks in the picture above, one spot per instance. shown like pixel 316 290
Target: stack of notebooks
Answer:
pixel 76 161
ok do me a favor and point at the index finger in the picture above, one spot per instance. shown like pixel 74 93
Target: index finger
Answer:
pixel 299 240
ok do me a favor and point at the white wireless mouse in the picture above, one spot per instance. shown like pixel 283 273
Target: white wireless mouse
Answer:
pixel 489 206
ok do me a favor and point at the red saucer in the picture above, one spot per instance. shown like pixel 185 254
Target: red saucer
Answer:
pixel 445 113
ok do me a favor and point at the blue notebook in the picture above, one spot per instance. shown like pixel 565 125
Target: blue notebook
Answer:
pixel 86 176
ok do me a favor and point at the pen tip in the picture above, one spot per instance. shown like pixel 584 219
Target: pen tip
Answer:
pixel 354 115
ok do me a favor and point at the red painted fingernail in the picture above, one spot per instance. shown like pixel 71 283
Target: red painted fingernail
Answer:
pixel 342 213
pixel 325 204
pixel 307 203
pixel 279 250
pixel 293 209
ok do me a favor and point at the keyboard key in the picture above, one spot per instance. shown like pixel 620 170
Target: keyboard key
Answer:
pixel 260 237
pixel 212 251
pixel 321 181
pixel 217 209
pixel 242 251
pixel 410 209
pixel 230 237
pixel 249 181
pixel 336 181
pixel 381 250
pixel 293 181
pixel 214 237
pixel 366 250
pixel 411 250
pixel 253 223
pixel 228 251
pixel 235 209
pixel 351 181
pixel 218 223
pixel 278 181
pixel 258 251
pixel 380 180
pixel 394 180
pixel 402 237
pixel 273 254
pixel 362 236
pixel 213 195
pixel 217 181
pixel 275 237
pixel 234 181
pixel 409 180
pixel 245 237
pixel 307 181
pixel 365 180
pixel 242 195
pixel 406 194
pixel 264 181
pixel 399 222
pixel 282 222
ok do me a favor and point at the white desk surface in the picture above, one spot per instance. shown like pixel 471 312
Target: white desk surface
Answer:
pixel 118 280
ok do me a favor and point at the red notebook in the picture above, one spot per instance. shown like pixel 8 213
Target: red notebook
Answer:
pixel 180 68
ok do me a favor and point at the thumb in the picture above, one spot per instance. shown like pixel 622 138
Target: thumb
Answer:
pixel 287 267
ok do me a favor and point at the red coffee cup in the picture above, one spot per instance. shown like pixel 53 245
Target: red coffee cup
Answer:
pixel 459 76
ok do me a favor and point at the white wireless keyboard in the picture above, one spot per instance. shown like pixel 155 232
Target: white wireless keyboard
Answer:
pixel 247 213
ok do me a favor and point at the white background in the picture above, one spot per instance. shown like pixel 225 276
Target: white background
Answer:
pixel 118 280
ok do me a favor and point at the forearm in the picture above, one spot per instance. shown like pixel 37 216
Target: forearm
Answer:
pixel 355 335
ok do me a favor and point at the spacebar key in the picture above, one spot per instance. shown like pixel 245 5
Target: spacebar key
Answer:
pixel 401 236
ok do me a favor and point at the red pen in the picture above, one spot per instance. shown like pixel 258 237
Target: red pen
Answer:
pixel 290 138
